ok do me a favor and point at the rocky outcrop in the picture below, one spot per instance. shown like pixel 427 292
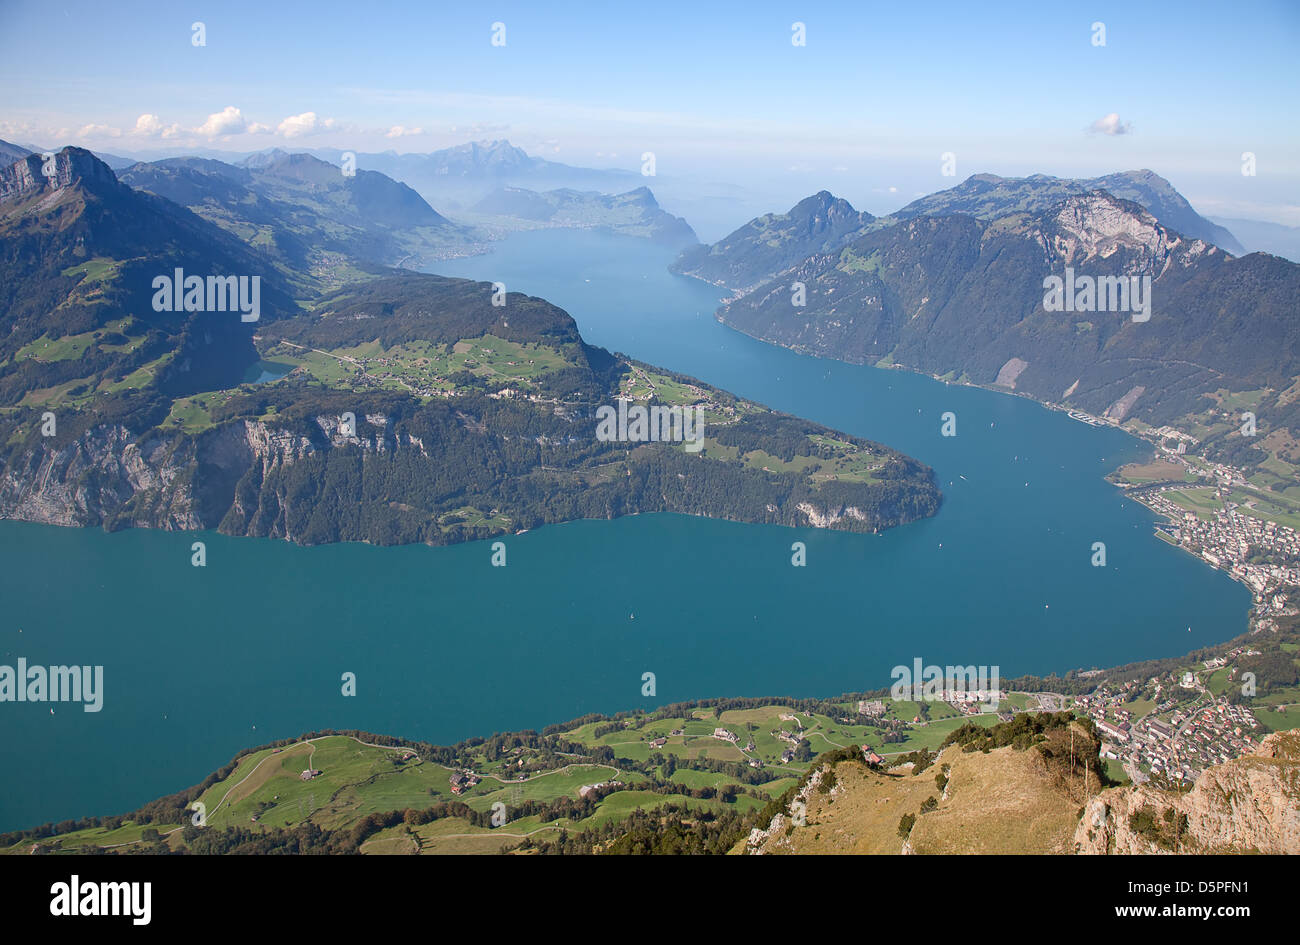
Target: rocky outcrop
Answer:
pixel 828 517
pixel 28 175
pixel 1098 225
pixel 109 477
pixel 1248 805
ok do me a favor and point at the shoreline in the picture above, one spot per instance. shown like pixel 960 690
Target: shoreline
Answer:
pixel 1257 597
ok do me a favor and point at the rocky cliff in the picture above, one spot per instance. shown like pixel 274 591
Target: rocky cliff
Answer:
pixel 1249 805
pixel 108 477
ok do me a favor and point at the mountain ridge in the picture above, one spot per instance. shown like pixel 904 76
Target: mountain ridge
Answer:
pixel 956 295
pixel 741 262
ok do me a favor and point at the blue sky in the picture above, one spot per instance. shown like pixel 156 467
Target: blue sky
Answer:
pixel 715 90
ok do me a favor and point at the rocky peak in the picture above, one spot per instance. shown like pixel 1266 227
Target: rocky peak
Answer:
pixel 67 167
pixel 823 211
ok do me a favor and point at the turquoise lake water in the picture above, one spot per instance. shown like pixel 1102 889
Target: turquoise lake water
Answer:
pixel 201 662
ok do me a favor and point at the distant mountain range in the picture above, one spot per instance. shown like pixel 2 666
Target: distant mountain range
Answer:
pixel 822 223
pixel 12 152
pixel 961 294
pixel 305 211
pixel 635 213
pixel 460 176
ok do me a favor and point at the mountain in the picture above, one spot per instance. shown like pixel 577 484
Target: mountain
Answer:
pixel 964 297
pixel 12 152
pixel 987 196
pixel 400 408
pixel 483 159
pixel 460 176
pixel 1259 236
pixel 635 213
pixel 305 212
pixel 768 245
pixel 79 251
pixel 773 243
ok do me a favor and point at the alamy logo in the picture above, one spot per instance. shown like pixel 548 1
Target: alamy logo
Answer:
pixel 182 293
pixel 921 683
pixel 1098 294
pixel 651 424
pixel 83 684
pixel 102 899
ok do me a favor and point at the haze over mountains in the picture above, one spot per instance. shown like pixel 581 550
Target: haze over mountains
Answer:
pixel 456 177
pixel 1258 236
pixel 635 213
pixel 303 209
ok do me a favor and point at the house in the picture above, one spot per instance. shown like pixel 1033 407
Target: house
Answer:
pixel 658 742
pixel 872 709
pixel 787 756
pixel 463 780
pixel 1113 731
pixel 870 757
pixel 725 735
pixel 1160 729
pixel 308 774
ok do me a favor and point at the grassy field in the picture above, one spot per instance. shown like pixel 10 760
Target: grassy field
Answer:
pixel 1200 501
pixel 267 790
pixel 421 366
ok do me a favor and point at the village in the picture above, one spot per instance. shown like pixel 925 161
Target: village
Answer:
pixel 1264 555
pixel 1186 729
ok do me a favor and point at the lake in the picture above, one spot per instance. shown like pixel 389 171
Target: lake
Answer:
pixel 201 662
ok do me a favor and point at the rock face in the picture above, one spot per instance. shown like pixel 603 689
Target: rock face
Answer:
pixel 1249 805
pixel 69 165
pixel 829 516
pixel 107 477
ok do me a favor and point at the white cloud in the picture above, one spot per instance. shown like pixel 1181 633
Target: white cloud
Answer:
pixel 228 121
pixel 297 126
pixel 99 131
pixel 257 128
pixel 401 131
pixel 13 130
pixel 1110 125
pixel 151 126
